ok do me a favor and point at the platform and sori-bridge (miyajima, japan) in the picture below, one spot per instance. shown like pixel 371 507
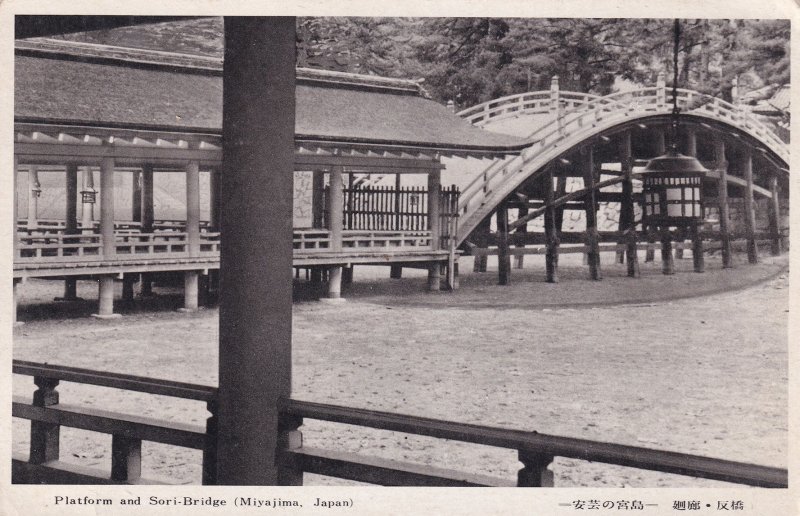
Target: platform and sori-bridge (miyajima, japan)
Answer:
pixel 240 176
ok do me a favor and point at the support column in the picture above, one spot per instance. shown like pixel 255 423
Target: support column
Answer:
pixel 661 149
pixel 503 258
pixel 347 275
pixel 629 229
pixel 107 207
pixel 396 271
pixel 481 237
pixel 193 208
pixel 148 215
pixel 71 224
pixel 522 231
pixel 14 293
pixel 105 308
pixel 128 281
pixel 336 208
pixel 434 277
pixel 749 214
pixel 317 201
pixel 434 222
pixel 213 200
pixel 15 211
pixel 87 212
pixel 136 196
pixel 34 190
pixel 722 199
pixel 255 315
pixel 592 235
pixel 775 216
pixel 667 263
pixel 191 291
pixel 550 230
pixel 697 248
pixel 691 150
pixel 335 282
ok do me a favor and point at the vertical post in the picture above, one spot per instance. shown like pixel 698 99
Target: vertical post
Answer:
pixel 255 319
pixel 71 227
pixel 667 263
pixel 335 282
pixel 661 91
pixel 481 239
pixel 722 199
pixel 213 200
pixel 87 212
pixel 697 248
pixel 661 148
pixel 691 150
pixel 775 215
pixel 561 191
pixel 317 201
pixel 349 196
pixel 347 275
pixel 105 309
pixel 396 271
pixel 193 208
pixel 534 472
pixel 34 190
pixel 127 288
pixel 397 218
pixel 592 235
pixel 522 231
pixel 629 229
pixel 749 213
pixel 126 458
pixel 434 222
pixel 107 207
pixel 210 445
pixel 550 230
pixel 136 196
pixel 191 291
pixel 555 96
pixel 503 258
pixel 434 277
pixel 15 208
pixel 148 216
pixel 336 208
pixel 44 436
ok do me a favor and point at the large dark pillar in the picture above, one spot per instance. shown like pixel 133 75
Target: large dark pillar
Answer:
pixel 592 235
pixel 722 199
pixel 775 216
pixel 749 213
pixel 71 223
pixel 627 212
pixel 255 316
pixel 550 230
pixel 503 257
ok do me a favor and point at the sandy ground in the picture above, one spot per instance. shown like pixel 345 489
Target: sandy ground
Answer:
pixel 705 374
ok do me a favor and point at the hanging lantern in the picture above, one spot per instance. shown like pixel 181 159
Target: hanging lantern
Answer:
pixel 89 195
pixel 36 190
pixel 672 183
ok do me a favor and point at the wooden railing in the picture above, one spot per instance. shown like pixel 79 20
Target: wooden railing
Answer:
pixel 47 415
pixel 488 188
pixel 531 103
pixel 51 246
pixel 535 451
pixel 385 240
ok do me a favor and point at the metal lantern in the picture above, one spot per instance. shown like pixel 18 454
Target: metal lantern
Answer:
pixel 672 190
pixel 89 195
pixel 36 190
pixel 672 183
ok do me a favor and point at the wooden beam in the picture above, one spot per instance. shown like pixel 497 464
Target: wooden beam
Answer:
pixel 722 201
pixel 592 236
pixel 551 231
pixel 749 213
pixel 503 258
pixel 775 216
pixel 627 207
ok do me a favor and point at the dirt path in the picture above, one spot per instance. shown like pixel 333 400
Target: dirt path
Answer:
pixel 706 375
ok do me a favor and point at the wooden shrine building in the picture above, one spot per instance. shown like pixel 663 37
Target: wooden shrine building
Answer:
pixel 108 122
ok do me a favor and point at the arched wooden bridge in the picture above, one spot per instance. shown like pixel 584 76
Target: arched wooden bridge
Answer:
pixel 577 120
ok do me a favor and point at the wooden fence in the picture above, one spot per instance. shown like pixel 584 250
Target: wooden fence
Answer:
pixel 535 451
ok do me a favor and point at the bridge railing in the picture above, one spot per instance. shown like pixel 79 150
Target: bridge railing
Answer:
pixel 589 115
pixel 531 103
pixel 535 451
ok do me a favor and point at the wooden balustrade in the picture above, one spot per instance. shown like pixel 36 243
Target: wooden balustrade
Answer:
pixel 386 240
pixel 535 451
pixel 47 415
pixel 58 247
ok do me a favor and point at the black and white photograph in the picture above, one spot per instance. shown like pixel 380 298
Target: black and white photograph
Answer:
pixel 412 251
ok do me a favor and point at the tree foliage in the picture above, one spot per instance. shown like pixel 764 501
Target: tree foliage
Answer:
pixel 471 60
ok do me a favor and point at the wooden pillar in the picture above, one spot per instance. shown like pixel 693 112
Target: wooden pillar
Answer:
pixel 87 212
pixel 661 143
pixel 691 150
pixel 350 186
pixel 775 216
pixel 627 207
pixel 398 225
pixel 45 437
pixel 105 305
pixel 434 277
pixel 481 237
pixel 317 201
pixel 335 282
pixel 535 472
pixel 213 200
pixel 107 207
pixel 503 258
pixel 561 191
pixel 34 190
pixel 522 231
pixel 71 223
pixel 191 291
pixel 749 213
pixel 128 281
pixel 434 222
pixel 148 208
pixel 255 315
pixel 550 230
pixel 697 248
pixel 136 196
pixel 126 458
pixel 722 199
pixel 667 263
pixel 396 271
pixel 592 235
pixel 336 208
pixel 650 255
pixel 15 211
pixel 14 300
pixel 347 275
pixel 193 207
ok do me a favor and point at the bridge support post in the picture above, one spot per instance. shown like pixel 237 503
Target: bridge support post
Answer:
pixel 722 199
pixel 749 213
pixel 481 239
pixel 519 260
pixel 592 235
pixel 550 230
pixel 775 216
pixel 627 209
pixel 667 263
pixel 503 258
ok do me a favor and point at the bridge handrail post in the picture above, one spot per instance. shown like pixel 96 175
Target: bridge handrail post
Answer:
pixel 661 91
pixel 555 95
